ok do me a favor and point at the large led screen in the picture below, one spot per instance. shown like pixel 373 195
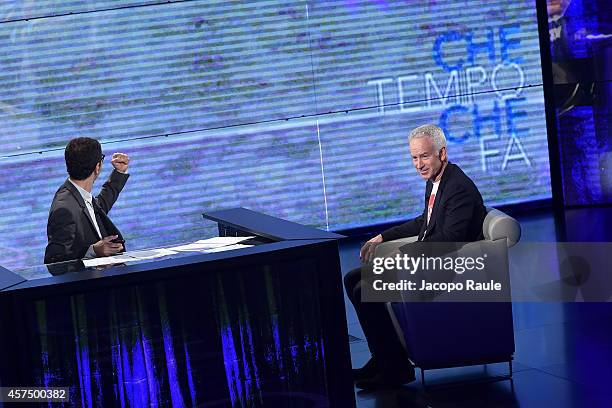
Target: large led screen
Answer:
pixel 300 110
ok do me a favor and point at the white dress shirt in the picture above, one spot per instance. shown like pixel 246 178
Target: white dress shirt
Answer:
pixel 88 198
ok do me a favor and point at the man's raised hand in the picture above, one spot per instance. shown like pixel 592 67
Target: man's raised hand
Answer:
pixel 120 162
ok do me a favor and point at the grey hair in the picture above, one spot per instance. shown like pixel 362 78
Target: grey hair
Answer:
pixel 431 131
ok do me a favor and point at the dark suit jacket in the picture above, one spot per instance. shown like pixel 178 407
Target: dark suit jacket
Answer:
pixel 457 214
pixel 70 230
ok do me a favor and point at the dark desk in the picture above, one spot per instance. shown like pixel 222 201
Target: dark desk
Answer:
pixel 259 326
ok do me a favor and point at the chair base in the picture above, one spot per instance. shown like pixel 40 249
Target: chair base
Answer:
pixel 452 384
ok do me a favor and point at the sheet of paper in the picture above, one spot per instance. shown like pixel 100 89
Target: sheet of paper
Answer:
pixel 194 247
pixel 128 257
pixel 107 260
pixel 227 248
pixel 222 240
pixel 208 244
pixel 149 253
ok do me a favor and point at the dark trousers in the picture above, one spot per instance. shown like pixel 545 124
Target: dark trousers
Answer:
pixel 375 321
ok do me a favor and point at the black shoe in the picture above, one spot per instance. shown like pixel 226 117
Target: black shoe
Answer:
pixel 367 371
pixel 387 380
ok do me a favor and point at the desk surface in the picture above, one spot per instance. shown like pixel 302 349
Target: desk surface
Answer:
pixel 65 270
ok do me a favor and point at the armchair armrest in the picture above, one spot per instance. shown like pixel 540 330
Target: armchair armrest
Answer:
pixel 389 247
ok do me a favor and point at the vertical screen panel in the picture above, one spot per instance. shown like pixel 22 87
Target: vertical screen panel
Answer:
pixel 581 56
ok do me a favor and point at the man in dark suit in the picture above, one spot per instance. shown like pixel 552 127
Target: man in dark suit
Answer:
pixel 78 225
pixel 454 212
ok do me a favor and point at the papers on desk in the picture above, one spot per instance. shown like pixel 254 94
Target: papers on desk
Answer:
pixel 150 253
pixel 224 240
pixel 216 244
pixel 191 247
pixel 228 248
pixel 212 244
pixel 107 260
pixel 128 257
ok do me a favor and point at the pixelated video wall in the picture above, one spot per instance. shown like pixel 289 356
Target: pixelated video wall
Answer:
pixel 300 110
pixel 581 65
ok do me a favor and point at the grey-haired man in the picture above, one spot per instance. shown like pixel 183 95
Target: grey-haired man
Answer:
pixel 454 212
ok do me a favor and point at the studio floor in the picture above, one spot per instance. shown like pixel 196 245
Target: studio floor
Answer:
pixel 563 352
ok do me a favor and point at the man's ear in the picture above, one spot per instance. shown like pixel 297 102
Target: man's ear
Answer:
pixel 443 154
pixel 98 169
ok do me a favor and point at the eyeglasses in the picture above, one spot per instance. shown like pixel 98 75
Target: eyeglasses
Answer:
pixel 102 159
